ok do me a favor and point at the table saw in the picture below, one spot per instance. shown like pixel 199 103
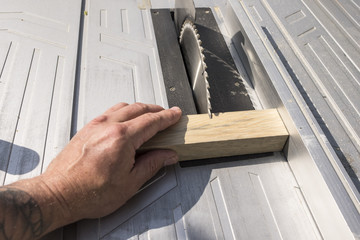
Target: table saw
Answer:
pixel 62 63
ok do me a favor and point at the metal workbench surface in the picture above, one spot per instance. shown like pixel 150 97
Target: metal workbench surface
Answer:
pixel 64 62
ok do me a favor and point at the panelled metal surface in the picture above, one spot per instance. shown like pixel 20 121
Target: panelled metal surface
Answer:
pixel 317 170
pixel 38 50
pixel 117 60
pixel 120 62
pixel 226 201
pixel 317 42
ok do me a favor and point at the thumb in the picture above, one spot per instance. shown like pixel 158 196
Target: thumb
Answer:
pixel 148 164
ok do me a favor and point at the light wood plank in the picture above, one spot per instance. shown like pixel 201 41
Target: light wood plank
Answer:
pixel 226 134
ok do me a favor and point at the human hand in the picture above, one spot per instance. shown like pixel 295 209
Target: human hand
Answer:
pixel 98 171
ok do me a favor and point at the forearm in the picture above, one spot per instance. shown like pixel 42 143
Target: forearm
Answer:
pixel 29 209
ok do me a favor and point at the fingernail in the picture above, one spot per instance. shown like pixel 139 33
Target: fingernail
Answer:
pixel 172 160
pixel 176 109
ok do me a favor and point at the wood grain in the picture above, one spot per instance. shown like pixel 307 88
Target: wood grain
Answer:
pixel 226 134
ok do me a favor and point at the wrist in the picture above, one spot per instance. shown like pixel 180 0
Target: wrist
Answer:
pixel 54 212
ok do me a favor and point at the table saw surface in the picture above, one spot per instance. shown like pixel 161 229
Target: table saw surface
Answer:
pixel 62 63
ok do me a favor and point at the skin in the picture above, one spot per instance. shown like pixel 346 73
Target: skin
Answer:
pixel 96 173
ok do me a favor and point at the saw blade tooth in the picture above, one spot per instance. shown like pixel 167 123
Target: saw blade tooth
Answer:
pixel 205 67
pixel 187 23
pixel 208 99
pixel 207 87
pixel 209 108
pixel 208 96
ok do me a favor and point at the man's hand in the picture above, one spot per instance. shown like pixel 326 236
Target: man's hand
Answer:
pixel 98 171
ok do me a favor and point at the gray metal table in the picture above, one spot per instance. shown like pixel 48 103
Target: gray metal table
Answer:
pixel 64 62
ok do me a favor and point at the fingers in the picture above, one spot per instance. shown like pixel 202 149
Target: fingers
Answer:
pixel 148 164
pixel 144 127
pixel 128 112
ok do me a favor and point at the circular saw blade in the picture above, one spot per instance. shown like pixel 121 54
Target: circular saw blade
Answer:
pixel 195 65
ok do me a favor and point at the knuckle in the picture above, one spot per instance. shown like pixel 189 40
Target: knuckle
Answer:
pixel 122 104
pixel 153 117
pixel 100 119
pixel 153 120
pixel 113 108
pixel 122 129
pixel 116 107
pixel 141 106
pixel 118 129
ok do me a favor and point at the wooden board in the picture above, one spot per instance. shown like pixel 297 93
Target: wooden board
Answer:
pixel 226 134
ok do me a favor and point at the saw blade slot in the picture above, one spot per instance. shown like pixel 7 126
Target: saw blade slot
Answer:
pixel 227 91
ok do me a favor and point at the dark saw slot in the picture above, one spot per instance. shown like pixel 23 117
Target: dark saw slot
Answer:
pixel 225 85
